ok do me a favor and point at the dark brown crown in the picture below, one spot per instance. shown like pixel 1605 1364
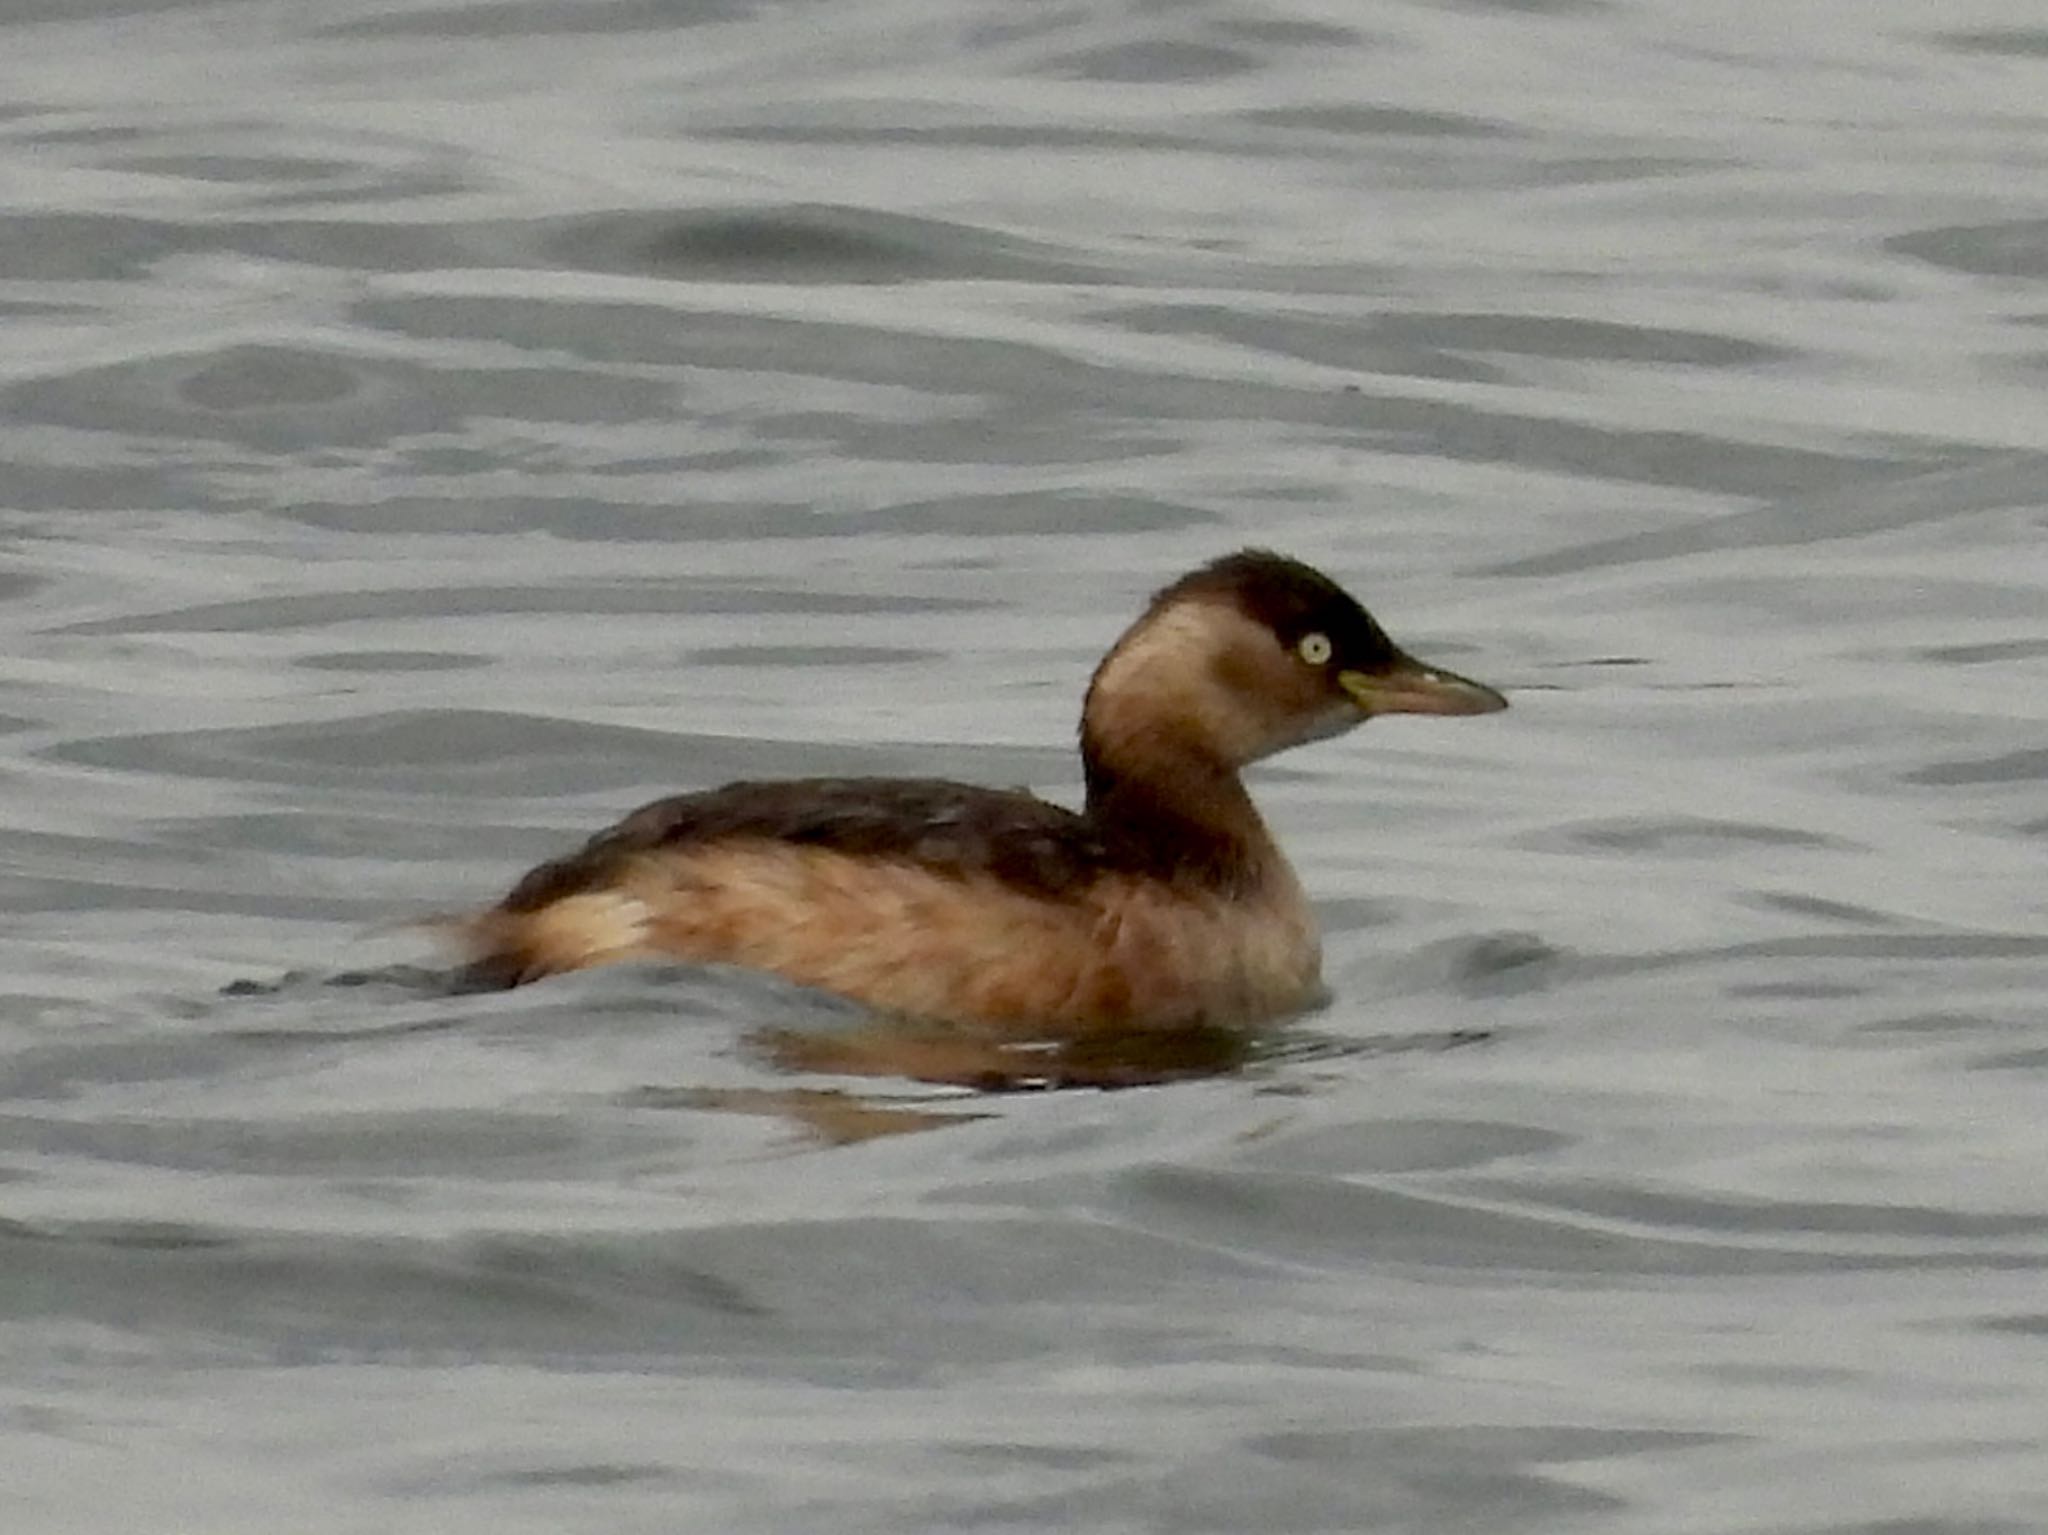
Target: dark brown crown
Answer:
pixel 1291 599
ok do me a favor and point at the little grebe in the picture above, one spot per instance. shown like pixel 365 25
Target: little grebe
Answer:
pixel 1163 904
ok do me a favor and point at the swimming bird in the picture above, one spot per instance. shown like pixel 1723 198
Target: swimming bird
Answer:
pixel 1162 904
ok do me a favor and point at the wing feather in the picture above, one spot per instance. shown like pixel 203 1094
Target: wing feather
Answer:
pixel 949 828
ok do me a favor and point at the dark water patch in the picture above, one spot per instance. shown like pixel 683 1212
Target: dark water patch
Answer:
pixel 1289 32
pixel 947 369
pixel 648 596
pixel 1867 506
pixel 1152 61
pixel 2032 366
pixel 1602 170
pixel 275 398
pixel 237 170
pixel 28 12
pixel 499 1143
pixel 399 980
pixel 127 1235
pixel 1932 1025
pixel 1862 948
pixel 313 1298
pixel 587 329
pixel 1698 836
pixel 1035 138
pixel 1357 914
pixel 1310 1482
pixel 70 1068
pixel 473 501
pixel 1019 434
pixel 1988 653
pixel 1352 120
pixel 515 19
pixel 1743 1373
pixel 2002 42
pixel 357 245
pixel 296 1039
pixel 35 129
pixel 1496 964
pixel 642 1001
pixel 1297 1045
pixel 1044 406
pixel 117 892
pixel 1538 7
pixel 1958 945
pixel 170 864
pixel 317 832
pixel 481 507
pixel 808 655
pixel 376 188
pixel 2013 248
pixel 62 487
pixel 227 863
pixel 266 378
pixel 1030 514
pixel 1571 338
pixel 288 1017
pixel 1054 1059
pixel 1036 1457
pixel 47 309
pixel 1555 1444
pixel 1488 964
pixel 825 1114
pixel 480 751
pixel 803 243
pixel 2007 767
pixel 1364 346
pixel 586 1474
pixel 2025 1324
pixel 1695 461
pixel 1690 460
pixel 1895 1225
pixel 75 247
pixel 1824 910
pixel 1340 1224
pixel 1474 1453
pixel 1796 991
pixel 391 661
pixel 867 1300
pixel 1384 1146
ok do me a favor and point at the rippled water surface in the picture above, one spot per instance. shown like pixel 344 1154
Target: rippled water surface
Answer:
pixel 428 430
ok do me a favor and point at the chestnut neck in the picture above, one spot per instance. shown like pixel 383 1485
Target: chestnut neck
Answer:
pixel 1174 813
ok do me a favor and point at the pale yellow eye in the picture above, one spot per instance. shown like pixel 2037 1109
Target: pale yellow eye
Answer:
pixel 1314 649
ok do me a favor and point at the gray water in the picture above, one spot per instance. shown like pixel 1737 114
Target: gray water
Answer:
pixel 428 430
